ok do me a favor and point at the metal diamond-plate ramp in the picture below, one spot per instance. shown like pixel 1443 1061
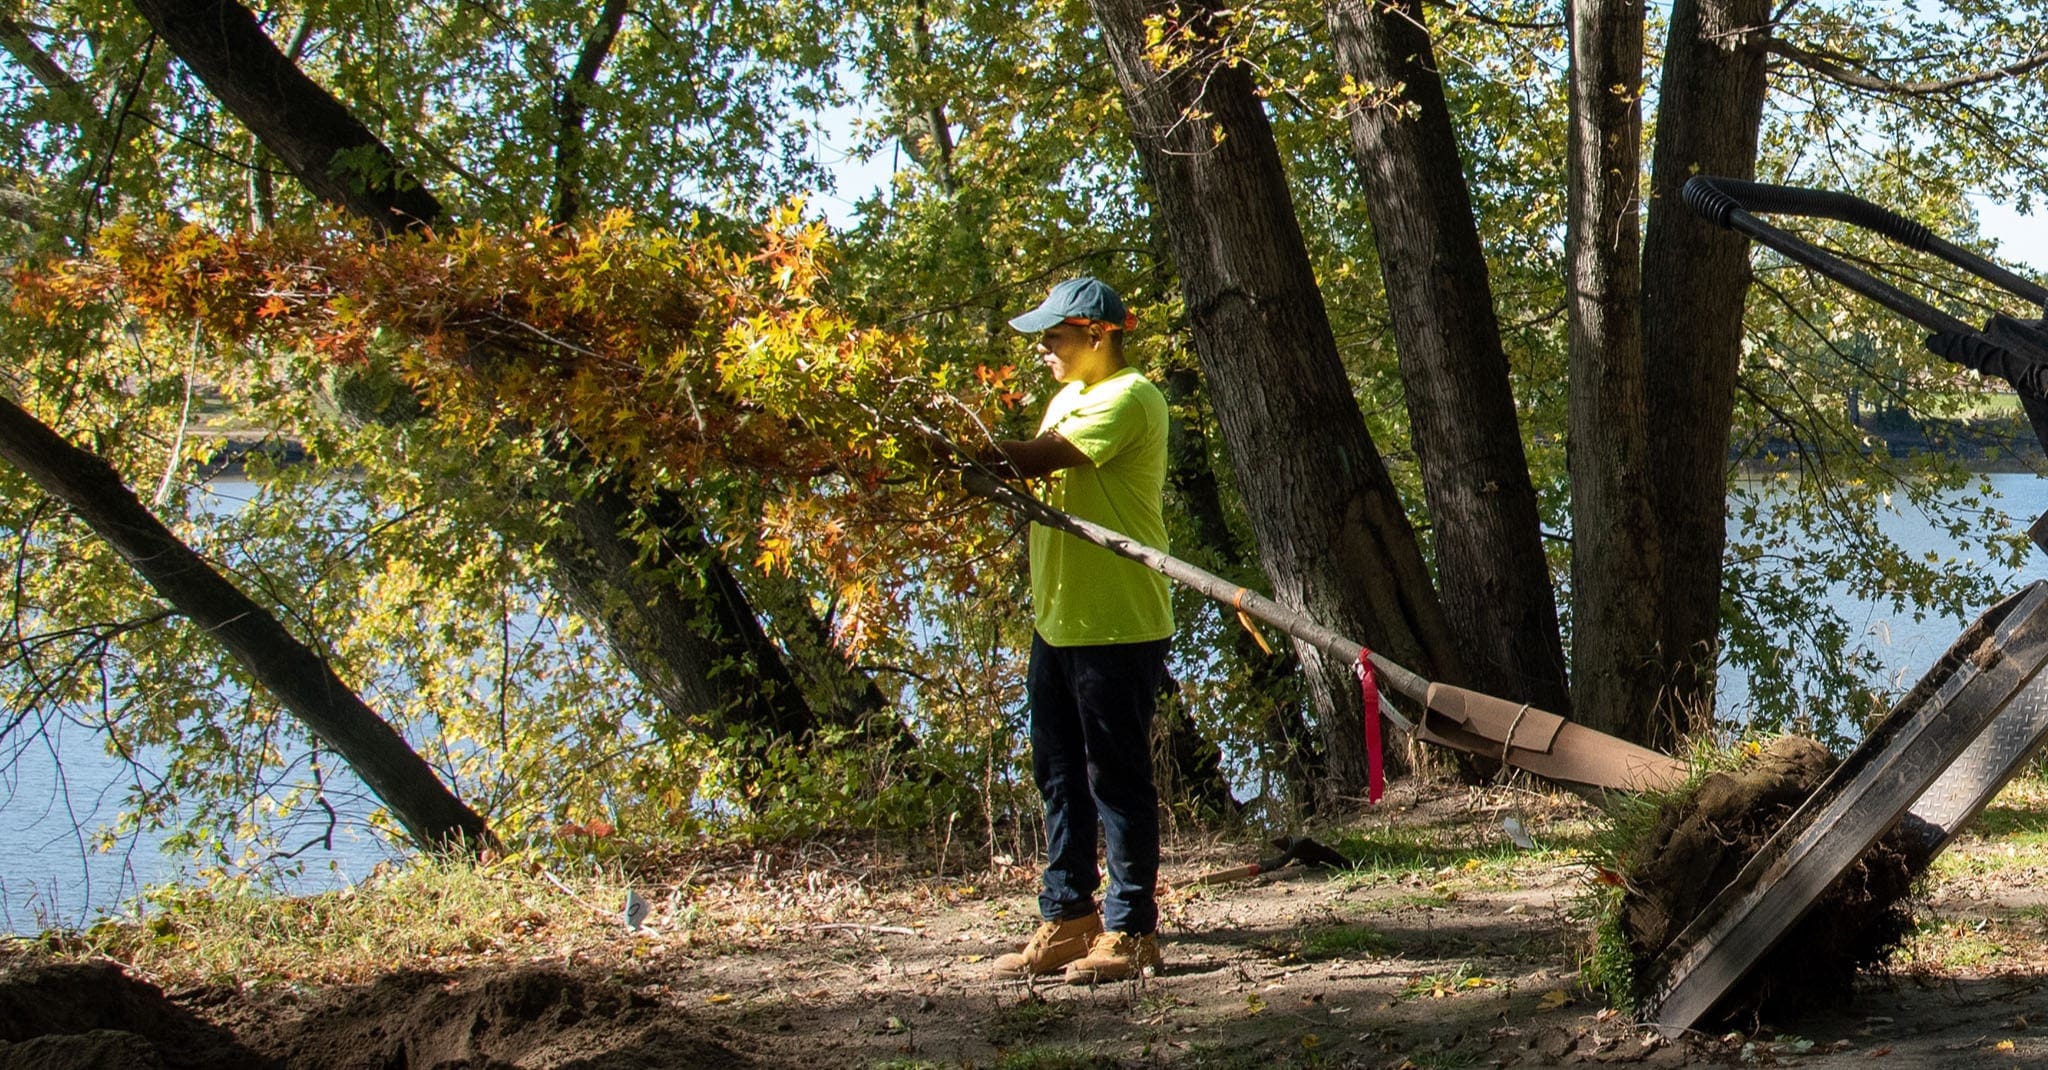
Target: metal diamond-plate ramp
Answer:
pixel 1942 753
pixel 1991 760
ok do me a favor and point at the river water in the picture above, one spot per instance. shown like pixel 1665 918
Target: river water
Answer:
pixel 59 788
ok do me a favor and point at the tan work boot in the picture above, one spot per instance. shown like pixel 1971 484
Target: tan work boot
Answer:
pixel 1116 957
pixel 1055 944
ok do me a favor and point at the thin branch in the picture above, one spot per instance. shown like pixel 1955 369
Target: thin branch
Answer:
pixel 1470 14
pixel 1829 68
pixel 570 109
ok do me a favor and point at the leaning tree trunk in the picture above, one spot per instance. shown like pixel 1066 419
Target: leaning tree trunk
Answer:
pixel 1695 280
pixel 1490 565
pixel 1616 563
pixel 290 670
pixel 326 147
pixel 337 157
pixel 1331 531
pixel 701 653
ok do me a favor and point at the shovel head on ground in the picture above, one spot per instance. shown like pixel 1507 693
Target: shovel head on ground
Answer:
pixel 1300 849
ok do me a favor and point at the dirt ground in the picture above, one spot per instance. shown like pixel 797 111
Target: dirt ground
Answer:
pixel 810 962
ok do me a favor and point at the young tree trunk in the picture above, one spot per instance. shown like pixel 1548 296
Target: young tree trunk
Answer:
pixel 1616 557
pixel 1490 565
pixel 290 670
pixel 1695 280
pixel 1331 532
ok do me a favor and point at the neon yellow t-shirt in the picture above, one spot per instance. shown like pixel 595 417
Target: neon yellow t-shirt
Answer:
pixel 1082 594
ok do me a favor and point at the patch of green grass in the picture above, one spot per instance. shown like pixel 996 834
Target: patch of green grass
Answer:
pixel 1608 968
pixel 1024 1020
pixel 1957 944
pixel 446 911
pixel 1464 856
pixel 1446 985
pixel 1332 941
pixel 1456 1058
pixel 1305 1054
pixel 1053 1058
pixel 1414 900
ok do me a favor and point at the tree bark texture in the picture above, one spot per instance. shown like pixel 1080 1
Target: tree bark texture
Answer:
pixel 701 653
pixel 1696 279
pixel 1273 676
pixel 1491 571
pixel 337 157
pixel 678 653
pixel 1331 532
pixel 290 670
pixel 1616 559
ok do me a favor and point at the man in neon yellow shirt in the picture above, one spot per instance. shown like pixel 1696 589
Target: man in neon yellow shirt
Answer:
pixel 1098 658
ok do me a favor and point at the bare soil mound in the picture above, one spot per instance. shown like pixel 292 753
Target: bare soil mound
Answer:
pixel 92 1014
pixel 531 1017
pixel 63 1016
pixel 1702 841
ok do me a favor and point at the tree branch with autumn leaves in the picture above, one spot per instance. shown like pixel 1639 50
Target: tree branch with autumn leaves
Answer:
pixel 688 361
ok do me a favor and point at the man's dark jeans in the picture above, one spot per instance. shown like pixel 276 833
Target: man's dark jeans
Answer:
pixel 1091 753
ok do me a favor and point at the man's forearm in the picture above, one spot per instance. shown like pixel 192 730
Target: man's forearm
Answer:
pixel 1032 458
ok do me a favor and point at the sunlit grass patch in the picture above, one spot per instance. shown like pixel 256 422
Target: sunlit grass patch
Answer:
pixel 1335 939
pixel 1961 944
pixel 2019 812
pixel 1424 899
pixel 1474 854
pixel 425 913
pixel 1398 853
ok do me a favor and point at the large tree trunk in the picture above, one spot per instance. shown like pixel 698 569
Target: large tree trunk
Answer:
pixel 1490 566
pixel 1616 561
pixel 1695 280
pixel 1330 527
pixel 290 670
pixel 681 653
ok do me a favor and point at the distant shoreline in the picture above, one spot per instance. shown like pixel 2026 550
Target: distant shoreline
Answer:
pixel 2003 446
pixel 229 460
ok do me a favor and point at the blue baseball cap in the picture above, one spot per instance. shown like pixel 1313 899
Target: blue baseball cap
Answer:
pixel 1082 300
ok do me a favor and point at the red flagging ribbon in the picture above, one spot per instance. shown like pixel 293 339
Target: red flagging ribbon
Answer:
pixel 1375 769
